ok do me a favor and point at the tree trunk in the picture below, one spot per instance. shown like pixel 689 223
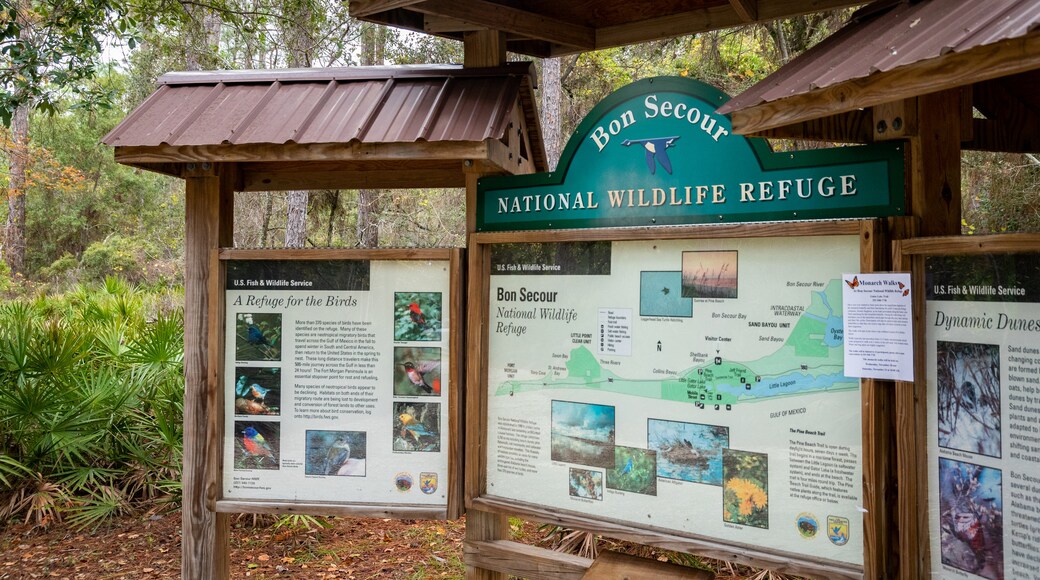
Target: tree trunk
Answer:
pixel 14 236
pixel 373 43
pixel 551 92
pixel 299 43
pixel 368 218
pixel 266 227
pixel 296 219
pixel 333 206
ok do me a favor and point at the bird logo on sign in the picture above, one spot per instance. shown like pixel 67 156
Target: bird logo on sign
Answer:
pixel 656 151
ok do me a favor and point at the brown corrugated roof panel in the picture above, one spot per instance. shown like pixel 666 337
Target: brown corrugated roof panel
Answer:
pixel 891 34
pixel 323 106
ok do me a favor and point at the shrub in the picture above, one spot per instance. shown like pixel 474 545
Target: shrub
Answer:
pixel 91 399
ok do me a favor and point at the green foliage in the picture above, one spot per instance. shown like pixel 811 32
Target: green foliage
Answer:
pixel 1000 193
pixel 6 283
pixel 52 47
pixel 91 391
pixel 79 196
pixel 118 256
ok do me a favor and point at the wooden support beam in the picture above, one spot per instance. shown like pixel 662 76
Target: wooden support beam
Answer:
pixel 275 179
pixel 501 17
pixel 949 71
pixel 612 565
pixel 435 24
pixel 895 120
pixel 484 48
pixel 1002 137
pixel 481 526
pixel 911 435
pixel 525 561
pixel 704 19
pixel 880 484
pixel 747 10
pixel 851 127
pixel 208 225
pixel 362 8
pixel 934 168
pixel 1011 124
pixel 359 152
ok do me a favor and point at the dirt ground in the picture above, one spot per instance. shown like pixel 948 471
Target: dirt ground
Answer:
pixel 350 549
pixel 151 548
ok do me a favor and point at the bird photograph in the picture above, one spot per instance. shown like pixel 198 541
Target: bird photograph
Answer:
pixel 417 371
pixel 339 453
pixel 258 336
pixel 417 426
pixel 635 470
pixel 257 391
pixel 417 316
pixel 256 445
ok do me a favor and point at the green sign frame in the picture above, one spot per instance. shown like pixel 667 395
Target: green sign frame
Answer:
pixel 655 152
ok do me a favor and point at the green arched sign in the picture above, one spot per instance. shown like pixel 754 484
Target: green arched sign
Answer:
pixel 656 152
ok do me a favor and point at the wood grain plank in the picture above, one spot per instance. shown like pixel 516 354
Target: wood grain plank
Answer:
pixel 818 228
pixel 747 10
pixel 362 8
pixel 291 178
pixel 751 555
pixel 612 565
pixel 483 48
pixel 851 127
pixel 511 20
pixel 354 151
pixel 361 510
pixel 934 171
pixel 523 561
pixel 704 19
pixel 204 535
pixel 1003 243
pixel 436 254
pixel 457 372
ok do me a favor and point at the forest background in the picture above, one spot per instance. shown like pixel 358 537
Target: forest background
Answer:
pixel 91 331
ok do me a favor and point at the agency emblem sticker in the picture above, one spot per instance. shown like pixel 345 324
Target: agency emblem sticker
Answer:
pixel 808 525
pixel 403 481
pixel 838 530
pixel 428 482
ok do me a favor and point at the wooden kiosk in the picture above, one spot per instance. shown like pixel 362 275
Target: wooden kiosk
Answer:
pixel 228 132
pixel 937 76
pixel 910 73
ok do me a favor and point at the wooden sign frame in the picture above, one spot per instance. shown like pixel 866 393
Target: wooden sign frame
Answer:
pixel 911 406
pixel 877 426
pixel 216 387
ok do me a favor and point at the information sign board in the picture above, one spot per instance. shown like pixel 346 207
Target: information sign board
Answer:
pixel 982 342
pixel 690 386
pixel 338 381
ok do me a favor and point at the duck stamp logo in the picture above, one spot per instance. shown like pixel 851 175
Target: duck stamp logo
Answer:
pixel 838 530
pixel 428 482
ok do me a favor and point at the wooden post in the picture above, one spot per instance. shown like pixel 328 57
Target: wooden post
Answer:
pixel 208 225
pixel 934 168
pixel 483 48
pixel 481 526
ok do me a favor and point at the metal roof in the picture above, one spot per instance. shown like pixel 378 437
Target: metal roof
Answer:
pixel 891 34
pixel 335 105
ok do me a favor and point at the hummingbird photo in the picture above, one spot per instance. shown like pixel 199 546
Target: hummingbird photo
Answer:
pixel 416 374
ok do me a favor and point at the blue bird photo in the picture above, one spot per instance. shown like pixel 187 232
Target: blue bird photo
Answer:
pixel 256 336
pixel 627 468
